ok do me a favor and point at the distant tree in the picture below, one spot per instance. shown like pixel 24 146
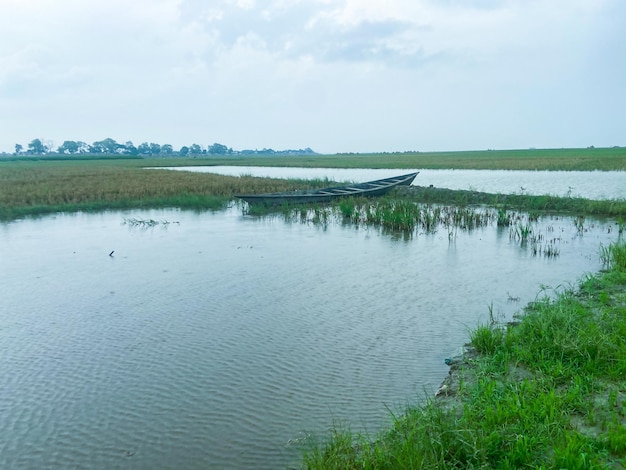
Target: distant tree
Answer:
pixel 82 147
pixel 167 149
pixel 143 148
pixel 69 146
pixel 195 149
pixel 184 151
pixel 130 149
pixel 155 149
pixel 18 149
pixel 107 146
pixel 218 149
pixel 36 147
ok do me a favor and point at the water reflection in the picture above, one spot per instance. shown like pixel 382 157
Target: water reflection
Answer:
pixel 221 340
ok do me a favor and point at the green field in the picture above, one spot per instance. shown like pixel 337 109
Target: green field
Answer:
pixel 540 159
pixel 33 186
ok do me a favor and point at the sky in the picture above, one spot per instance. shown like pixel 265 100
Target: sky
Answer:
pixel 333 75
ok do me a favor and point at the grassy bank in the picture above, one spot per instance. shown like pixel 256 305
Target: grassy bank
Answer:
pixel 547 392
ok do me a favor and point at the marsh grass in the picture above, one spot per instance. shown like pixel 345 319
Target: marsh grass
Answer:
pixel 613 256
pixel 545 392
pixel 38 187
pixel 390 214
pixel 529 238
pixel 534 205
pixel 504 218
pixel 41 187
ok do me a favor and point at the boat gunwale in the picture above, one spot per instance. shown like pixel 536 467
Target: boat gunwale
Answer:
pixel 369 188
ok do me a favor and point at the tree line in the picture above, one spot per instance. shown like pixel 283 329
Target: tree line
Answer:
pixel 109 146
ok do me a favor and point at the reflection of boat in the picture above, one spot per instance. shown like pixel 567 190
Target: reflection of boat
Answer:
pixel 371 188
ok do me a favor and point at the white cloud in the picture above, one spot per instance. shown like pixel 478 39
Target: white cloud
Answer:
pixel 335 75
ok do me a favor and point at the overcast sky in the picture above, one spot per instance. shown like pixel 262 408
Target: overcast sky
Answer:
pixel 333 75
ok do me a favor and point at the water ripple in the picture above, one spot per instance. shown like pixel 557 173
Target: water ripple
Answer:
pixel 187 351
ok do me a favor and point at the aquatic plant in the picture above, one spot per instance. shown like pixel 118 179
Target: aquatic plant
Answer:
pixel 134 222
pixel 579 223
pixel 348 208
pixel 504 218
pixel 613 256
pixel 550 251
pixel 521 232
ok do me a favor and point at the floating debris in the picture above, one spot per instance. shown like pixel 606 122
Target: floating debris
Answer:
pixel 132 222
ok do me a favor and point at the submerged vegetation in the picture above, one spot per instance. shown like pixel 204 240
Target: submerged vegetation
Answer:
pixel 408 219
pixel 394 215
pixel 145 223
pixel 546 392
pixel 528 203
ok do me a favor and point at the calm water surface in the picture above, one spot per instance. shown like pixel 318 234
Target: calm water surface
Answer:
pixel 220 340
pixel 588 184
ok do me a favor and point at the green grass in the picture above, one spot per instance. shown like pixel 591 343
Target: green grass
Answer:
pixel 530 159
pixel 547 392
pixel 42 187
pixel 527 203
pixel 586 159
pixel 35 187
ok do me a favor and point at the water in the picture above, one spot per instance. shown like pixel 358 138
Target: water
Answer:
pixel 597 185
pixel 220 340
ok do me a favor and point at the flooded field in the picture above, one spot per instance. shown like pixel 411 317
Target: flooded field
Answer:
pixel 224 340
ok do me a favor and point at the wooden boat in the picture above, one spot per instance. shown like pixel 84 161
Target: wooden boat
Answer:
pixel 371 188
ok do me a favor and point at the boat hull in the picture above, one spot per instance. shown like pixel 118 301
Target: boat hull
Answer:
pixel 369 189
